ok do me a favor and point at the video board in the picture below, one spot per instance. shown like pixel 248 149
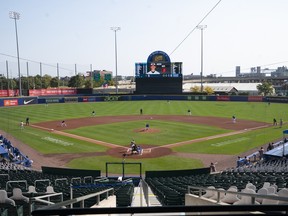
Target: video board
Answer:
pixel 158 75
pixel 158 65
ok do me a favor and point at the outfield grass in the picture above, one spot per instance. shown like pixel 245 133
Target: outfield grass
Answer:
pixel 122 133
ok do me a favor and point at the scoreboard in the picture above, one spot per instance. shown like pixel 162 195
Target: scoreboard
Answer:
pixel 158 65
pixel 158 74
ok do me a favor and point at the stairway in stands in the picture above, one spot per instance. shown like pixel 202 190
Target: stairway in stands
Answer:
pixel 137 201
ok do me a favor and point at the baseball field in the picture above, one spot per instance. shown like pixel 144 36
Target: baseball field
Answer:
pixel 175 140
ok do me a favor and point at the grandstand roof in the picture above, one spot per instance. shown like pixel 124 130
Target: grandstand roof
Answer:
pixel 241 87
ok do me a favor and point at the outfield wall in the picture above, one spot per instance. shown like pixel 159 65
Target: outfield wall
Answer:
pixel 19 101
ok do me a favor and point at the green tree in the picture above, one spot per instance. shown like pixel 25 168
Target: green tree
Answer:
pixel 76 81
pixel 37 82
pixel 46 79
pixel 12 84
pixel 265 88
pixel 88 83
pixel 4 82
pixel 54 82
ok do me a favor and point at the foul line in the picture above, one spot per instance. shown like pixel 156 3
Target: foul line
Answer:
pixel 210 137
pixel 78 137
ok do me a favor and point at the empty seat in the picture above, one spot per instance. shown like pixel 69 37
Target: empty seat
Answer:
pixel 261 191
pixel 266 184
pixel 251 186
pixel 221 195
pixel 31 189
pixel 209 193
pixel 4 198
pixel 271 190
pixel 230 198
pixel 283 193
pixel 270 201
pixel 17 195
pixel 50 189
pixel 246 199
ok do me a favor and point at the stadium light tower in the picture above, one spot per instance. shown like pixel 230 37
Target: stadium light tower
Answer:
pixel 115 29
pixel 16 16
pixel 201 27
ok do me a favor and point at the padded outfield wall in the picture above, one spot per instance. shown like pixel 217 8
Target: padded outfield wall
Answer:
pixel 19 101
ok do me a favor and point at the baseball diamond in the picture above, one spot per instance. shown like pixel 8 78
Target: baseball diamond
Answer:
pixel 149 151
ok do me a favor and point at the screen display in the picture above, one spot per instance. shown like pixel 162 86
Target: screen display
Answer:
pixel 173 69
pixel 158 65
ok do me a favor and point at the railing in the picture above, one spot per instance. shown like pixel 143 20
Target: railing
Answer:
pixel 70 202
pixel 88 178
pixel 144 186
pixel 167 210
pixel 8 183
pixel 200 190
pixel 42 199
pixel 61 180
pixel 42 181
pixel 76 180
pixel 173 210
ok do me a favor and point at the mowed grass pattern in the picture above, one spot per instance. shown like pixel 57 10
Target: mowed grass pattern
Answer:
pixel 122 133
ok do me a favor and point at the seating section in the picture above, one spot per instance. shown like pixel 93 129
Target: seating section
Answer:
pixel 18 183
pixel 124 195
pixel 172 190
pixel 17 186
pixel 13 155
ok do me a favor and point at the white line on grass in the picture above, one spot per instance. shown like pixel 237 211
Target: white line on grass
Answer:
pixel 230 141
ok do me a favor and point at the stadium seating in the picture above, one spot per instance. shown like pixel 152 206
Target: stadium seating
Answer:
pixel 264 177
pixel 261 191
pixel 230 198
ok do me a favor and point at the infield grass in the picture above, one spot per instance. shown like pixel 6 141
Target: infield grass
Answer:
pixel 168 132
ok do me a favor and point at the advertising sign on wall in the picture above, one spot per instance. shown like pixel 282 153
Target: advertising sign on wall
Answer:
pixel 13 102
pixel 56 91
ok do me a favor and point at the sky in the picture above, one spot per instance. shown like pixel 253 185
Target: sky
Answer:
pixel 245 33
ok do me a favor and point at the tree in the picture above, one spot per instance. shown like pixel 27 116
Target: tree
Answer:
pixel 265 88
pixel 195 89
pixel 76 81
pixel 208 90
pixel 54 82
pixel 46 79
pixel 37 82
pixel 88 83
pixel 12 84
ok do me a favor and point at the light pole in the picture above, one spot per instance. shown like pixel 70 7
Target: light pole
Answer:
pixel 201 27
pixel 115 29
pixel 16 16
